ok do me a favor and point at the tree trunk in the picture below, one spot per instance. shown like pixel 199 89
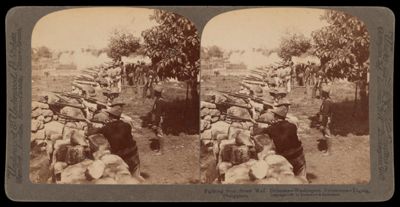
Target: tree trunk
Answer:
pixel 355 100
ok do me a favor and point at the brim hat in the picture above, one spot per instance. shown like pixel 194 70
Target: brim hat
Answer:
pixel 283 102
pixel 158 89
pixel 115 110
pixel 282 91
pixel 267 100
pixel 280 111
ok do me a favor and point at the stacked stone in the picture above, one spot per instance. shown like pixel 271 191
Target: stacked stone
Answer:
pixel 73 156
pixel 240 158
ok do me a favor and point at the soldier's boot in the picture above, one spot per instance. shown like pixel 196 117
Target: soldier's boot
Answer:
pixel 327 150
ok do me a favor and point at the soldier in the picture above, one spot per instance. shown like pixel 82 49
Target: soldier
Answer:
pixel 316 93
pixel 286 141
pixel 325 116
pixel 278 94
pixel 118 134
pixel 157 116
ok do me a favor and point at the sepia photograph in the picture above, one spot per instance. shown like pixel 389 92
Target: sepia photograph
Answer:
pixel 284 98
pixel 115 97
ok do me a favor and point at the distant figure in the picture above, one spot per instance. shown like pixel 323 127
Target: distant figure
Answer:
pixel 325 116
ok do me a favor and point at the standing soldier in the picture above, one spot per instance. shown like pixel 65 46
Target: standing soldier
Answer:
pixel 325 116
pixel 157 116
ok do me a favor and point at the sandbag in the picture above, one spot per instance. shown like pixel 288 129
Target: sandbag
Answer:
pixel 209 105
pixel 48 119
pixel 258 170
pixel 223 167
pixel 207 118
pixel 95 170
pixel 105 181
pixel 36 125
pixel 53 128
pixel 75 174
pixel 36 112
pixel 204 125
pixel 214 112
pixel 240 154
pixel 219 127
pixel 204 112
pixel 75 154
pixel 278 166
pixel 214 119
pixel 37 104
pixel 102 117
pixel 47 112
pixel 72 112
pixel 239 174
pixel 98 142
pixel 206 134
pixel 239 112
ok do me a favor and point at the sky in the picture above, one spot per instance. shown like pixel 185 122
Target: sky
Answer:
pixel 73 29
pixel 255 28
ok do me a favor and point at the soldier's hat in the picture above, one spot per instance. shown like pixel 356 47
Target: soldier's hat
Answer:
pixel 117 102
pixel 115 110
pixel 158 89
pixel 325 88
pixel 280 111
pixel 273 92
pixel 283 102
pixel 282 91
pixel 258 92
pixel 267 100
pixel 89 90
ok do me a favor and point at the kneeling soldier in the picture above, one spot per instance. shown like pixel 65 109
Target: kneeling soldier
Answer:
pixel 287 143
pixel 118 134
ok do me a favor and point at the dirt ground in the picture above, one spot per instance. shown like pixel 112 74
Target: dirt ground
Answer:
pixel 349 162
pixel 180 160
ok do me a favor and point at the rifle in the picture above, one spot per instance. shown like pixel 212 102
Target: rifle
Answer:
pixel 91 83
pixel 255 78
pixel 253 82
pixel 66 117
pixel 244 85
pixel 232 104
pixel 242 96
pixel 92 100
pixel 232 117
pixel 68 104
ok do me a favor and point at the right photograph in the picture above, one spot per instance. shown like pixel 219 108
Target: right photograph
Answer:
pixel 284 98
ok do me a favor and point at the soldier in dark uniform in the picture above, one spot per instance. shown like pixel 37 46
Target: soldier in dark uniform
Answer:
pixel 157 116
pixel 284 136
pixel 325 116
pixel 118 134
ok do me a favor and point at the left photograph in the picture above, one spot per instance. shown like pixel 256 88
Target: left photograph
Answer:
pixel 115 97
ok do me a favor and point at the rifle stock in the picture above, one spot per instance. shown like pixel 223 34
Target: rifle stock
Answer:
pixel 243 96
pixel 242 119
pixel 233 104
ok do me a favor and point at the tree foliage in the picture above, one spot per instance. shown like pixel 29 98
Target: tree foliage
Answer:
pixel 293 45
pixel 215 51
pixel 342 46
pixel 122 43
pixel 41 52
pixel 173 46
